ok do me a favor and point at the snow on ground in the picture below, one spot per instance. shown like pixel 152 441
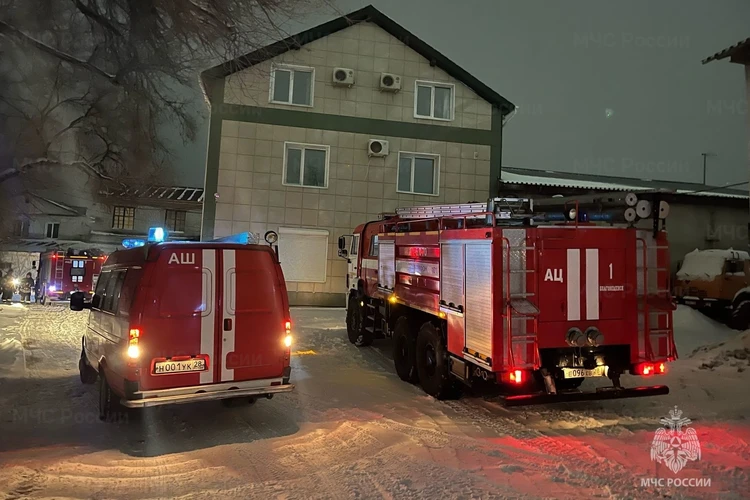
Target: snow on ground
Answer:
pixel 11 349
pixel 351 429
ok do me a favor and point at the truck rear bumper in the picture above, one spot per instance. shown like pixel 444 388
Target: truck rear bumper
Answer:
pixel 601 393
pixel 193 394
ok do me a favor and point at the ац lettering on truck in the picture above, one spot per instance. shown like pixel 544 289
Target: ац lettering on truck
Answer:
pixel 502 293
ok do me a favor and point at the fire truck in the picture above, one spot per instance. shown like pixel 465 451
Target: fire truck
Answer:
pixel 531 297
pixel 64 271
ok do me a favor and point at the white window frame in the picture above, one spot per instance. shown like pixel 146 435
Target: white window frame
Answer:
pixel 292 68
pixel 431 156
pixel 47 230
pixel 432 85
pixel 303 146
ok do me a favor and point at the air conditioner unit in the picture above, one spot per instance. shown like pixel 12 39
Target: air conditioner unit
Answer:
pixel 390 82
pixel 343 76
pixel 377 147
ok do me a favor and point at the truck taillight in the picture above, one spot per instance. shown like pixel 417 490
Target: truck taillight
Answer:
pixel 647 369
pixel 133 349
pixel 516 376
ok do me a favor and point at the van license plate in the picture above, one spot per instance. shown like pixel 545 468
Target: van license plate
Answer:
pixel 599 371
pixel 188 365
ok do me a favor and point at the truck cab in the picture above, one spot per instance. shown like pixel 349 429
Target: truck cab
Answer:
pixel 709 280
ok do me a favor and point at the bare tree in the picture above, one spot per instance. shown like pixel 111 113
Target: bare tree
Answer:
pixel 88 83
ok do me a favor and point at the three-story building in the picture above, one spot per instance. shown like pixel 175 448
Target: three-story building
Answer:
pixel 323 131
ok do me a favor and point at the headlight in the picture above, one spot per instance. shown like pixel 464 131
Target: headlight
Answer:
pixel 16 281
pixel 52 288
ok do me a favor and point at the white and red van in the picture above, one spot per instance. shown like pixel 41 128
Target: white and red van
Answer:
pixel 176 322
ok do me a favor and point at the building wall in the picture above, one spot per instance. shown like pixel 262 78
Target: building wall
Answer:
pixel 703 227
pixel 370 51
pixel 252 196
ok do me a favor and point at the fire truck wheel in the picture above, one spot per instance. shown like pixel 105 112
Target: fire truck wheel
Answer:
pixel 355 324
pixel 87 373
pixel 404 351
pixel 433 364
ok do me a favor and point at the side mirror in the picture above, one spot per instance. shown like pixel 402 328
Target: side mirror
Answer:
pixel 343 252
pixel 96 301
pixel 78 302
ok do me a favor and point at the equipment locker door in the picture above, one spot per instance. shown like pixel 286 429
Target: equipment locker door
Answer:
pixel 559 285
pixel 605 282
pixel 253 323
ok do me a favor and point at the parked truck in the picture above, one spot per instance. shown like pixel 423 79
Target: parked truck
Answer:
pixel 715 281
pixel 64 271
pixel 531 296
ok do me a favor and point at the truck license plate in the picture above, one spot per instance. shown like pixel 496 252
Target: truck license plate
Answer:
pixel 599 371
pixel 186 366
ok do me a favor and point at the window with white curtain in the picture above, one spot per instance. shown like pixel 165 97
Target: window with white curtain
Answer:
pixel 303 254
pixel 434 100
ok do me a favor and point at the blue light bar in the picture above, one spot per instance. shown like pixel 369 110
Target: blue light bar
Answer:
pixel 157 234
pixel 133 243
pixel 246 238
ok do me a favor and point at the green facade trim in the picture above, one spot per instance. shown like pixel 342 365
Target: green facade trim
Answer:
pixel 216 92
pixel 337 123
pixel 357 125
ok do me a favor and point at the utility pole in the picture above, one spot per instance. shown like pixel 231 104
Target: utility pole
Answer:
pixel 704 155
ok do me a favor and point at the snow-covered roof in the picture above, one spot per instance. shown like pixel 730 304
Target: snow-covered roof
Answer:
pixel 170 193
pixel 531 177
pixel 43 245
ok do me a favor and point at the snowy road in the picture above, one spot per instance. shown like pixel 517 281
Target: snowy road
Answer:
pixel 352 429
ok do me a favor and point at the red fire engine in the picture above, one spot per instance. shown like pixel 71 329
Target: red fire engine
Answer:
pixel 62 272
pixel 532 296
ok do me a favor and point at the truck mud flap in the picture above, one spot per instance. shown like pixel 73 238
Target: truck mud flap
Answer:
pixel 566 397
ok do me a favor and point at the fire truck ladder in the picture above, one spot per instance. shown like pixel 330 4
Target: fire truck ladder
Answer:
pixel 59 267
pixel 503 208
pixel 655 303
pixel 517 301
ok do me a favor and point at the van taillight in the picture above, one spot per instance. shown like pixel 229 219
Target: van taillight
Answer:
pixel 133 349
pixel 288 334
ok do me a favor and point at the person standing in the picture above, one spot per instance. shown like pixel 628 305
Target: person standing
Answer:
pixel 25 287
pixel 9 287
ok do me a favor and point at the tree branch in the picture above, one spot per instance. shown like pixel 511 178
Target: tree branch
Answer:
pixel 87 11
pixel 10 31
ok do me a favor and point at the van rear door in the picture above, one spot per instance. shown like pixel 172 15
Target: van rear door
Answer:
pixel 212 315
pixel 180 318
pixel 254 315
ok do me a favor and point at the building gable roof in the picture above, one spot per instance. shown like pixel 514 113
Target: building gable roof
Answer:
pixel 739 52
pixel 366 14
